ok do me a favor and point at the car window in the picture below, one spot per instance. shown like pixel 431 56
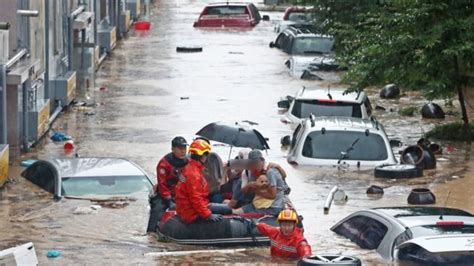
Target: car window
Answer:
pixel 303 108
pixel 434 230
pixel 288 43
pixel 105 185
pixel 308 45
pixel 255 12
pixel 415 254
pixel 357 146
pixel 41 174
pixel 295 135
pixel 280 39
pixel 366 232
pixel 368 106
pixel 226 10
pixel 301 16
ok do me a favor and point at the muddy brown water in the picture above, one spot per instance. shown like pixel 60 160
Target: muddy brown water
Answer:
pixel 236 77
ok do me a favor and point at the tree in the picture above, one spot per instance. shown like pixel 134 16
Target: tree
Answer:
pixel 420 45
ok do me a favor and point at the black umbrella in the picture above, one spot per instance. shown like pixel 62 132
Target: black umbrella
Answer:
pixel 235 135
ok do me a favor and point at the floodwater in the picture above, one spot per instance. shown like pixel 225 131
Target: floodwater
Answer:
pixel 153 94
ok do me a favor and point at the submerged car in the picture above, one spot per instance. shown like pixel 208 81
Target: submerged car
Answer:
pixel 89 176
pixel 325 102
pixel 425 235
pixel 297 16
pixel 340 141
pixel 303 41
pixel 229 14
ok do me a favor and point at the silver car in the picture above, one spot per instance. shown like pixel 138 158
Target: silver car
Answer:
pixel 340 141
pixel 89 176
pixel 426 235
pixel 325 102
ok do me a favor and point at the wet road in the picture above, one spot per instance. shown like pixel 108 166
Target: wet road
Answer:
pixel 236 77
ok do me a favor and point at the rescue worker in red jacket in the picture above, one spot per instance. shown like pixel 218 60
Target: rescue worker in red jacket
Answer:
pixel 167 171
pixel 287 241
pixel 192 191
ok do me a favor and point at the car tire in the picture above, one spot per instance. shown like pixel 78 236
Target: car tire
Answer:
pixel 333 260
pixel 398 171
pixel 184 49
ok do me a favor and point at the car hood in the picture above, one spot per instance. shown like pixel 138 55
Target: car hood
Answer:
pixel 300 63
pixel 444 243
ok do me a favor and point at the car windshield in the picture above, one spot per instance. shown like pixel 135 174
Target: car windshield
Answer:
pixel 105 185
pixel 226 10
pixel 303 108
pixel 331 144
pixel 301 16
pixel 315 45
pixel 435 230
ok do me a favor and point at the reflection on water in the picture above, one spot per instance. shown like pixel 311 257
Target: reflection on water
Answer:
pixel 154 94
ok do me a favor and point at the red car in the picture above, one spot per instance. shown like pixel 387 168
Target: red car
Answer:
pixel 229 15
pixel 298 13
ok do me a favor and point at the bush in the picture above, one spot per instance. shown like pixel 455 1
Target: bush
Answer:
pixel 453 131
pixel 408 111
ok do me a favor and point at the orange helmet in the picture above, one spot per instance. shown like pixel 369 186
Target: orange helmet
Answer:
pixel 288 215
pixel 199 147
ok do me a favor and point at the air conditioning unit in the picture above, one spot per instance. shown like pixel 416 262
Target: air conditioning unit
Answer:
pixel 65 88
pixel 107 38
pixel 124 21
pixel 38 120
pixel 4 163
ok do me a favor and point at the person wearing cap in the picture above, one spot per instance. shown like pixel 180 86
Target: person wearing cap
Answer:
pixel 167 171
pixel 287 240
pixel 192 190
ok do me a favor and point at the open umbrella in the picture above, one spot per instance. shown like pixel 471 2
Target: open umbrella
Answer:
pixel 235 135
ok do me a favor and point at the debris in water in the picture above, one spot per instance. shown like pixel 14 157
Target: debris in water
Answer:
pixel 184 98
pixel 53 253
pixel 87 209
pixel 60 136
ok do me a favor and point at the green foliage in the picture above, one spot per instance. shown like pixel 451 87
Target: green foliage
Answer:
pixel 416 44
pixel 408 111
pixel 455 131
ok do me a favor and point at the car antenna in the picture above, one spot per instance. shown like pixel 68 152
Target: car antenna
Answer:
pixel 358 94
pixel 302 91
pixel 329 92
pixel 445 204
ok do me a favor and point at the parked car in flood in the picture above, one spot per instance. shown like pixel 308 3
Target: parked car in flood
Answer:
pixel 325 102
pixel 229 14
pixel 89 177
pixel 340 141
pixel 422 235
pixel 297 16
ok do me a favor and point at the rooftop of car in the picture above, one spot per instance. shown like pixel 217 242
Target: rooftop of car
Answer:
pixel 229 4
pixel 305 30
pixel 420 216
pixel 332 122
pixel 82 167
pixel 337 94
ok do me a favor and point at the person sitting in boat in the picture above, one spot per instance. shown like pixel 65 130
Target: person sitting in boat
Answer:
pixel 242 194
pixel 286 241
pixel 167 171
pixel 192 190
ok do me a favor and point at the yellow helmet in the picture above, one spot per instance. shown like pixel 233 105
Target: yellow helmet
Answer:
pixel 199 147
pixel 288 215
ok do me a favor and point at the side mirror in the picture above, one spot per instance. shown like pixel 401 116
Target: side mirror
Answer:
pixel 395 143
pixel 286 140
pixel 272 44
pixel 266 18
pixel 284 104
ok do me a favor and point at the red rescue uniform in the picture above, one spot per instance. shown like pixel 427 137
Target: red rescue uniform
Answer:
pixel 192 193
pixel 167 171
pixel 294 246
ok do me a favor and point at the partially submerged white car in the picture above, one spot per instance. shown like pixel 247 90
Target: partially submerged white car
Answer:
pixel 422 235
pixel 340 141
pixel 325 102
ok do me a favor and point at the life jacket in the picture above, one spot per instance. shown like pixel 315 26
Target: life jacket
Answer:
pixel 294 246
pixel 167 172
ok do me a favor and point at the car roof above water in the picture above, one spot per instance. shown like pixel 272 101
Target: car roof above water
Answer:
pixel 416 216
pixel 343 123
pixel 229 4
pixel 337 94
pixel 82 167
